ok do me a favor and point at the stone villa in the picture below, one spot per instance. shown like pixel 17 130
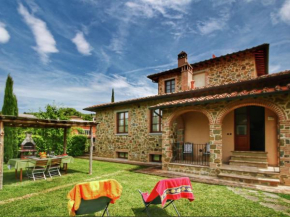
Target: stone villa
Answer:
pixel 225 117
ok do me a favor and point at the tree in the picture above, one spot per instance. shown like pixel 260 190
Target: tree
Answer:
pixel 10 107
pixel 113 96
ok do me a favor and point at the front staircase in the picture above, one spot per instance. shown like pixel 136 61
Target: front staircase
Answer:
pixel 249 167
pixel 249 175
pixel 249 158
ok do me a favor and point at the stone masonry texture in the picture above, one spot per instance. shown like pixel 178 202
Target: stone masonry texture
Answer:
pixel 140 143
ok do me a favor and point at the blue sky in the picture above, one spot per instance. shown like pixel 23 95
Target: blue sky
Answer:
pixel 74 52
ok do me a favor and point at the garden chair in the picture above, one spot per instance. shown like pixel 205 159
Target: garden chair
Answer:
pixel 167 191
pixel 38 170
pixel 91 197
pixel 206 152
pixel 54 167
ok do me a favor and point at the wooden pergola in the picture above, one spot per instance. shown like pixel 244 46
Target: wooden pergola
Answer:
pixel 15 121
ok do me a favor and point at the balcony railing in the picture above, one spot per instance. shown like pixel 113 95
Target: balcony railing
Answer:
pixel 190 153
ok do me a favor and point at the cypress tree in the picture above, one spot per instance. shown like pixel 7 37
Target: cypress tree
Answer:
pixel 10 107
pixel 113 96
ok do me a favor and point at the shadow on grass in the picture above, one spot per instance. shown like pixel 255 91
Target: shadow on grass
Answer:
pixel 9 176
pixel 137 168
pixel 72 171
pixel 152 210
pixel 144 167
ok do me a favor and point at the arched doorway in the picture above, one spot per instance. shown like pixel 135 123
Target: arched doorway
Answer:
pixel 251 129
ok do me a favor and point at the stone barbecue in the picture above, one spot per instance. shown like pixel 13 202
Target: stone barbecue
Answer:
pixel 28 146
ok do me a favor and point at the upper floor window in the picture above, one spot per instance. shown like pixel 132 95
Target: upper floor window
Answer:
pixel 199 80
pixel 170 86
pixel 122 122
pixel 156 121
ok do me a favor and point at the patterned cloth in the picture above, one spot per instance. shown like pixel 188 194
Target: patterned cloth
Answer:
pixel 171 189
pixel 93 190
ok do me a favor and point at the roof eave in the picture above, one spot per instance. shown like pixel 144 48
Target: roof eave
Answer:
pixel 217 100
pixel 156 97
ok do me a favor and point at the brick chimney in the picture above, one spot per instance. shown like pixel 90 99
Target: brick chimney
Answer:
pixel 182 58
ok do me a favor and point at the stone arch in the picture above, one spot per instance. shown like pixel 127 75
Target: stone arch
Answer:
pixel 181 111
pixel 250 102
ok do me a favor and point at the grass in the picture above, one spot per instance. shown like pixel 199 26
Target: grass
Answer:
pixel 211 200
pixel 286 196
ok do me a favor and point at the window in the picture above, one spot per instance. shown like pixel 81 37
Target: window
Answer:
pixel 123 155
pixel 156 116
pixel 87 132
pixel 170 86
pixel 200 80
pixel 122 122
pixel 156 157
pixel 187 148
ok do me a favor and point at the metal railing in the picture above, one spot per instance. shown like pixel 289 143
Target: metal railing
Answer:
pixel 190 153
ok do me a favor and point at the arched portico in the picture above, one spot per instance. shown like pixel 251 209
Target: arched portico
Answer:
pixel 187 136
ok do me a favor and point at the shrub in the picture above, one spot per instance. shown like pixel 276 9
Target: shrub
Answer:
pixel 76 145
pixel 41 145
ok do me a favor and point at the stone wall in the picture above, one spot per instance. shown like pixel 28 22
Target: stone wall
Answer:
pixel 229 69
pixel 162 79
pixel 191 169
pixel 139 142
pixel 223 70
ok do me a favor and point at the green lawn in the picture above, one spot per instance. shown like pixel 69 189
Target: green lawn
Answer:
pixel 48 198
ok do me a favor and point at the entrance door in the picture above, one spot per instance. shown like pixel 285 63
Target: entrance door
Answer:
pixel 250 129
pixel 242 137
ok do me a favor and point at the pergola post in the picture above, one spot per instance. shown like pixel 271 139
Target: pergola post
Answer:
pixel 1 153
pixel 64 140
pixel 91 151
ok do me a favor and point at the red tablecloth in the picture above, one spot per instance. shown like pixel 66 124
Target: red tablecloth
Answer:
pixel 171 189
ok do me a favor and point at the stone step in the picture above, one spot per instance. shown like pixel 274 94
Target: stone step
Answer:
pixel 249 163
pixel 250 171
pixel 249 158
pixel 250 179
pixel 250 153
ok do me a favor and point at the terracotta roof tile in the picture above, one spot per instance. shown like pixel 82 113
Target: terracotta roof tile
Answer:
pixel 223 96
pixel 91 108
pixel 262 46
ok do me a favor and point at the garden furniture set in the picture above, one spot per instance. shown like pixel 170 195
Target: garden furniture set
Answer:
pixel 36 167
pixel 90 197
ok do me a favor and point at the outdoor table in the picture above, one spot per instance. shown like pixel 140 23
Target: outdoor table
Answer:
pixel 20 164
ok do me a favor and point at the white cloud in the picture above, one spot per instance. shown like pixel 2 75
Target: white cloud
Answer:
pixel 274 18
pixel 151 8
pixel 71 90
pixel 4 35
pixel 44 39
pixel 281 42
pixel 274 68
pixel 132 11
pixel 125 88
pixel 82 45
pixel 213 24
pixel 118 41
pixel 268 2
pixel 284 12
pixel 222 2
